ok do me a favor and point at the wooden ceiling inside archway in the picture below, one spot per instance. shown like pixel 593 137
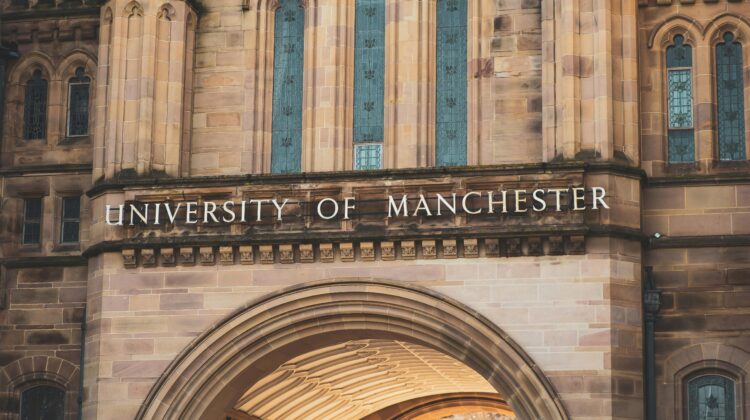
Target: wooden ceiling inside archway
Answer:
pixel 354 379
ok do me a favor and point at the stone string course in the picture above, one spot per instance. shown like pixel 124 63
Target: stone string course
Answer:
pixel 353 251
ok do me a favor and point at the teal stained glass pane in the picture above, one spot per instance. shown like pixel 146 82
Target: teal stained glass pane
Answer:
pixel 680 99
pixel 679 54
pixel 369 70
pixel 730 88
pixel 42 403
pixel 289 40
pixel 368 156
pixel 35 108
pixel 711 397
pixel 450 129
pixel 681 146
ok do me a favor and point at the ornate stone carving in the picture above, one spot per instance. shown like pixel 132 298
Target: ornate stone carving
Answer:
pixel 429 250
pixel 226 255
pixel 347 252
pixel 408 250
pixel 367 251
pixel 471 248
pixel 128 258
pixel 535 246
pixel 266 254
pixel 168 258
pixel 577 245
pixel 148 258
pixel 387 251
pixel 206 255
pixel 286 254
pixel 306 253
pixel 513 247
pixel 326 253
pixel 450 249
pixel 556 245
pixel 246 255
pixel 187 256
pixel 491 247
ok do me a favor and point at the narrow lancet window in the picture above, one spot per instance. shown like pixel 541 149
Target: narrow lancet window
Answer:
pixel 35 108
pixel 289 40
pixel 730 97
pixel 369 83
pixel 450 114
pixel 711 397
pixel 681 135
pixel 78 104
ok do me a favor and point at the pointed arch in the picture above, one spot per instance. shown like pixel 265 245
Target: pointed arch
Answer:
pixel 204 378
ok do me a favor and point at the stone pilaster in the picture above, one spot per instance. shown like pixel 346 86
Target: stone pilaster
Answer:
pixel 590 80
pixel 145 65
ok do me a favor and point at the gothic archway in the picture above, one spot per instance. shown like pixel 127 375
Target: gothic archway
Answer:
pixel 215 370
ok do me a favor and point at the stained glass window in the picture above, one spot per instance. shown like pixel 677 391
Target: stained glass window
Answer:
pixel 731 99
pixel 681 136
pixel 78 104
pixel 71 219
pixel 43 403
pixel 368 156
pixel 35 108
pixel 289 42
pixel 369 76
pixel 711 397
pixel 450 129
pixel 32 220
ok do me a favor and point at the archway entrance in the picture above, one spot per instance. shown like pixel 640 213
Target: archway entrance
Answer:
pixel 347 349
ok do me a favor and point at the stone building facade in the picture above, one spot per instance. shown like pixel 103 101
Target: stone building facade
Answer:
pixel 421 234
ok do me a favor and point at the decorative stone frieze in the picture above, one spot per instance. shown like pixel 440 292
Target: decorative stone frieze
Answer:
pixel 266 254
pixel 286 254
pixel 226 255
pixel 187 256
pixel 429 249
pixel 168 257
pixel 246 255
pixel 148 258
pixel 206 256
pixel 306 253
pixel 450 249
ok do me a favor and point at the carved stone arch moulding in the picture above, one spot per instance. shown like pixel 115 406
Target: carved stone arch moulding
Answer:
pixel 30 62
pixel 214 370
pixel 727 22
pixel 28 372
pixel 77 58
pixel 133 9
pixel 664 32
pixel 166 11
pixel 106 15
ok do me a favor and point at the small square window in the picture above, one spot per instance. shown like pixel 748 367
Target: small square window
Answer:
pixel 71 220
pixel 32 220
pixel 368 156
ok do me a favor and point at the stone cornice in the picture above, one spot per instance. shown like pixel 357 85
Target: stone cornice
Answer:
pixel 46 169
pixel 712 241
pixel 43 261
pixel 12 16
pixel 412 173
pixel 712 179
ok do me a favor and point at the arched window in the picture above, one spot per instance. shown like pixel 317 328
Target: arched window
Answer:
pixel 35 108
pixel 78 103
pixel 450 114
pixel 730 97
pixel 289 39
pixel 710 397
pixel 43 403
pixel 681 136
pixel 369 83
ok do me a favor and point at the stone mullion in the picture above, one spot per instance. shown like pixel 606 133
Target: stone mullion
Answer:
pixel 603 78
pixel 629 62
pixel 102 93
pixel 312 35
pixel 567 60
pixel 146 81
pixel 480 101
pixel 704 82
pixel 116 101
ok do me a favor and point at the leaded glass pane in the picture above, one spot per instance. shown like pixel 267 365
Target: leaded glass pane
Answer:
pixel 730 97
pixel 289 42
pixel 43 403
pixel 71 219
pixel 35 108
pixel 711 397
pixel 368 156
pixel 32 220
pixel 78 104
pixel 679 54
pixel 450 129
pixel 369 70
pixel 680 99
pixel 681 146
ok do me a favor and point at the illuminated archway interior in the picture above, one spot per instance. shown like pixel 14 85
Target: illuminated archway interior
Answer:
pixel 361 378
